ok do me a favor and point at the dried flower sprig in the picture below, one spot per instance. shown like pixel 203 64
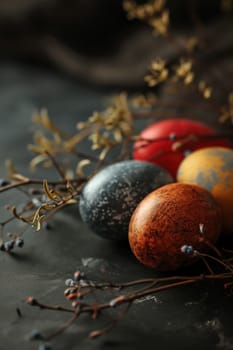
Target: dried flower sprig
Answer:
pixel 40 206
pixel 54 148
pixel 160 72
pixel 42 201
pixel 54 202
pixel 156 15
pixel 184 72
pixel 110 127
pixel 143 102
pixel 105 130
pixel 205 89
pixel 79 289
pixel 153 13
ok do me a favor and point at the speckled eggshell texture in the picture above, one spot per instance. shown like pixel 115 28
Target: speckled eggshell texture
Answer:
pixel 110 197
pixel 167 219
pixel 212 168
pixel 162 152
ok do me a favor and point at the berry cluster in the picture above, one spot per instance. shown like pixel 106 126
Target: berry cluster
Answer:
pixel 219 268
pixel 8 246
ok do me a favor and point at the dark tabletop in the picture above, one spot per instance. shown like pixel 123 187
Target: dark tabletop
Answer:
pixel 184 318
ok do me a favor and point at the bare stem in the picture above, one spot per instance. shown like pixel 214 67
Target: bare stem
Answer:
pixel 29 181
pixel 56 165
pixel 151 287
pixel 63 328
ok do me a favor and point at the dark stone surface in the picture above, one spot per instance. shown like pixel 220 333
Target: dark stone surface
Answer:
pixel 188 318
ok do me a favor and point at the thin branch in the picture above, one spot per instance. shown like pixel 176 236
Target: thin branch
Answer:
pixel 56 165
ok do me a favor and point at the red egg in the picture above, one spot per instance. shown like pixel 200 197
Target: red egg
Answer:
pixel 172 222
pixel 167 142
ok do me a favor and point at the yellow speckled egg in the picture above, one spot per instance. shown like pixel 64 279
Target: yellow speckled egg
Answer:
pixel 212 168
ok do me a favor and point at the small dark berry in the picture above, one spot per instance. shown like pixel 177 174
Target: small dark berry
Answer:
pixel 70 291
pixel 4 182
pixel 19 242
pixel 67 292
pixel 31 301
pixel 46 226
pixel 78 275
pixel 69 282
pixel 187 152
pixel 2 246
pixel 172 136
pixel 34 191
pixel 9 245
pixel 35 335
pixel 187 249
pixel 72 296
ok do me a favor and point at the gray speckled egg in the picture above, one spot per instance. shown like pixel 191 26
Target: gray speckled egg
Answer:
pixel 110 197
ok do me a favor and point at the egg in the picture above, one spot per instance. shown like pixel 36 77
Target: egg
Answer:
pixel 110 197
pixel 165 226
pixel 212 168
pixel 163 153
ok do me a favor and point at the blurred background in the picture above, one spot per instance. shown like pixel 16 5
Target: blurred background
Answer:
pixel 93 41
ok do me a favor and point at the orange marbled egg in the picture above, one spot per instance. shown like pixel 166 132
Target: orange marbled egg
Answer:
pixel 212 168
pixel 168 219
